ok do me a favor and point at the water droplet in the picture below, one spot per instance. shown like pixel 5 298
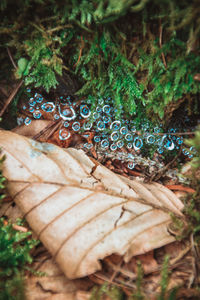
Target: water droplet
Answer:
pixel 115 125
pixel 128 137
pixel 150 139
pixel 133 129
pixel 31 102
pixel 131 165
pixel 28 90
pixel 105 143
pixel 24 107
pixel 120 144
pixel 31 109
pixel 20 121
pixel 179 140
pixel 169 144
pixel 98 109
pixel 87 125
pixel 106 119
pixel 27 121
pixel 138 143
pixel 76 126
pixel 38 98
pixel 37 114
pixel 85 111
pixel 113 147
pixel 67 113
pixel 156 129
pixel 64 134
pixel 160 150
pixel 96 115
pixel 114 136
pixel 56 117
pixel 48 106
pixel 100 125
pixel 129 145
pixel 97 138
pixel 66 124
pixel 124 130
pixel 106 109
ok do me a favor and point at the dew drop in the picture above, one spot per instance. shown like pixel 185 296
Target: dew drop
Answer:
pixel 133 129
pixel 76 126
pixel 128 137
pixel 115 125
pixel 64 134
pixel 100 125
pixel 66 124
pixel 105 144
pixel 31 102
pixel 106 119
pixel 114 136
pixel 37 114
pixel 85 111
pixel 138 143
pixel 31 109
pixel 87 126
pixel 48 106
pixel 106 109
pixel 67 113
pixel 120 144
pixel 179 140
pixel 124 130
pixel 56 117
pixel 97 138
pixel 113 147
pixel 98 109
pixel 27 121
pixel 96 115
pixel 131 165
pixel 150 139
pixel 169 144
pixel 129 145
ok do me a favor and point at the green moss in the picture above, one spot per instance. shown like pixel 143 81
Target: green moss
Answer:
pixel 144 55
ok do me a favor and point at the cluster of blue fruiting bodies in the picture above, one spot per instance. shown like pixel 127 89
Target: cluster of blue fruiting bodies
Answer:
pixel 109 133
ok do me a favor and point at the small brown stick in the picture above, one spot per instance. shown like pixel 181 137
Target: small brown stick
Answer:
pixel 19 228
pixel 160 44
pixel 11 58
pixel 156 176
pixel 80 52
pixel 57 125
pixel 35 137
pixel 10 98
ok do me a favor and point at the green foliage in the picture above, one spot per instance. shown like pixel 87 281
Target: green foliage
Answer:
pixel 195 144
pixel 15 247
pixel 143 54
pixel 113 292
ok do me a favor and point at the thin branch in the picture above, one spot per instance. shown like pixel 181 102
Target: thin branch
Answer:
pixel 80 52
pixel 10 98
pixel 160 43
pixel 11 58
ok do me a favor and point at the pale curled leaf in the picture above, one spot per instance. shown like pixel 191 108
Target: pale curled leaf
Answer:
pixel 82 211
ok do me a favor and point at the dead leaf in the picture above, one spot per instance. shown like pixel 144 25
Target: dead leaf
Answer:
pixel 82 211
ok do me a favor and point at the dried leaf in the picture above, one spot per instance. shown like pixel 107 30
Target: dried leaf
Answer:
pixel 82 211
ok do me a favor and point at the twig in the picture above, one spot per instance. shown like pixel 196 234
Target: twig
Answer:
pixel 11 58
pixel 80 52
pixel 160 44
pixel 41 132
pixel 10 98
pixel 156 176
